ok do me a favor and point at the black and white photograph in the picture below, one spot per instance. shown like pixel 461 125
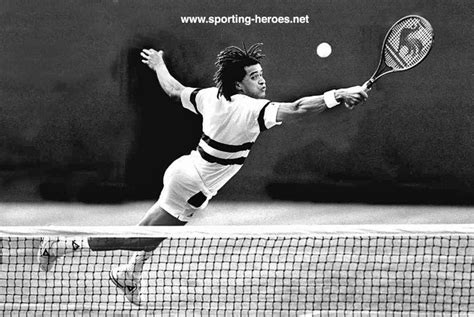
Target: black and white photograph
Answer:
pixel 236 158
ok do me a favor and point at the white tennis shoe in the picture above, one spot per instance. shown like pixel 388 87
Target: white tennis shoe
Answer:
pixel 52 249
pixel 128 283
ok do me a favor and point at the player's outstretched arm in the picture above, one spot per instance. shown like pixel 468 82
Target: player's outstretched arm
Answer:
pixel 154 60
pixel 301 108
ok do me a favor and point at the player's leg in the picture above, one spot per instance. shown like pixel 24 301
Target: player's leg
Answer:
pixel 171 196
pixel 128 277
pixel 181 196
pixel 180 183
pixel 155 216
pixel 52 249
pixel 183 192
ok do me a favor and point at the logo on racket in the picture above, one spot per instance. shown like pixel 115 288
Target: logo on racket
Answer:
pixel 410 40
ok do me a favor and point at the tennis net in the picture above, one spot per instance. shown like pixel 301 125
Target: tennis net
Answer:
pixel 414 270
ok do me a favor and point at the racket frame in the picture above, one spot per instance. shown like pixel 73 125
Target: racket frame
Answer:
pixel 368 84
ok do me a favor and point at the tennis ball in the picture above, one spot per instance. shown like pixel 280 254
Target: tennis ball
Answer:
pixel 324 50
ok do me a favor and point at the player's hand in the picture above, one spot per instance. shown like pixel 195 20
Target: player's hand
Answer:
pixel 152 58
pixel 352 96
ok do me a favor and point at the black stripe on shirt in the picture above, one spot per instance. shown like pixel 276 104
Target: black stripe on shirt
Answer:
pixel 226 147
pixel 212 159
pixel 261 118
pixel 192 98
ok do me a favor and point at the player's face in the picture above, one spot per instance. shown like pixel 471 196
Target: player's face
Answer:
pixel 253 84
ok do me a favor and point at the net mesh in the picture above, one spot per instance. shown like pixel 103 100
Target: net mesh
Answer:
pixel 251 274
pixel 408 43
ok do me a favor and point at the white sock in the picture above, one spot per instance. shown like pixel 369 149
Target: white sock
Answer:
pixel 137 261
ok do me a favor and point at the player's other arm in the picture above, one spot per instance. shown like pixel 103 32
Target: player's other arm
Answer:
pixel 154 60
pixel 303 107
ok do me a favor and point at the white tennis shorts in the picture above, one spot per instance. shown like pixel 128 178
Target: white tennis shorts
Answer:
pixel 183 190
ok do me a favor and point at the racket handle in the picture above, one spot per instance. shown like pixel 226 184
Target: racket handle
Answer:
pixel 368 85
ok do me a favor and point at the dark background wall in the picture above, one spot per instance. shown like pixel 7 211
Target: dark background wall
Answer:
pixel 82 119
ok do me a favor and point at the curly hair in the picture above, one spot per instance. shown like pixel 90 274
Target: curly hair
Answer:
pixel 231 63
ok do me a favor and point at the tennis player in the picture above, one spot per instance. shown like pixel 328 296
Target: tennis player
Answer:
pixel 233 113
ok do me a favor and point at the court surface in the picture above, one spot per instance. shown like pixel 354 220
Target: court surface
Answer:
pixel 234 213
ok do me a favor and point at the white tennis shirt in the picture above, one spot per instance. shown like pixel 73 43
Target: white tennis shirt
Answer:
pixel 230 128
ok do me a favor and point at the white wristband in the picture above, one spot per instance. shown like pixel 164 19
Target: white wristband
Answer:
pixel 330 98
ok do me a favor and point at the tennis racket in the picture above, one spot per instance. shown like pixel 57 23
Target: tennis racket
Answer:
pixel 406 45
